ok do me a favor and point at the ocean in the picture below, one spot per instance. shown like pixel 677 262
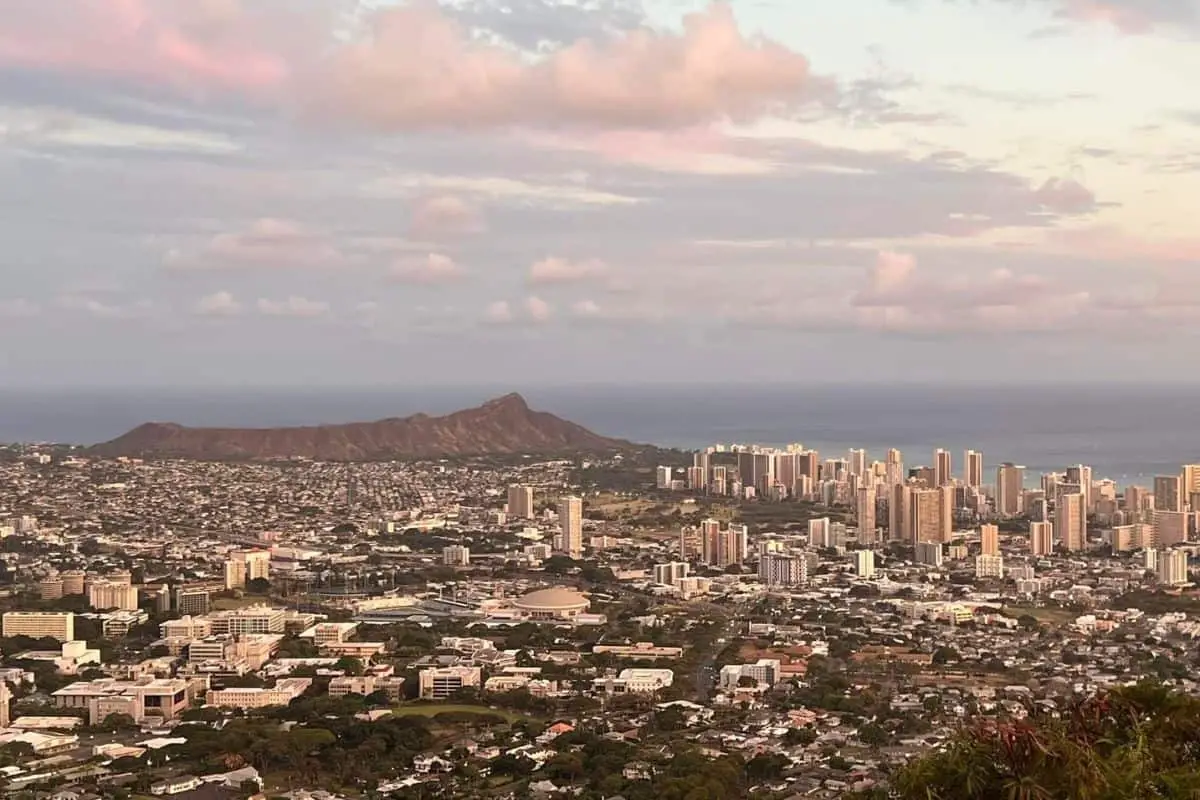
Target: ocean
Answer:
pixel 1124 432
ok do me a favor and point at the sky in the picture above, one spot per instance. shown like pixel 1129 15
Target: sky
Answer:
pixel 548 192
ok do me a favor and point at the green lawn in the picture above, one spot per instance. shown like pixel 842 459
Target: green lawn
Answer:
pixel 433 709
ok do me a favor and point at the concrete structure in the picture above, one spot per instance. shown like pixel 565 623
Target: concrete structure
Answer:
pixel 1041 538
pixel 635 681
pixel 931 514
pixel 989 566
pixel 104 595
pixel 989 540
pixel 520 502
pixel 943 468
pixel 864 508
pixel 1070 522
pixel 163 698
pixel 553 604
pixel 930 553
pixel 1010 482
pixel 1172 567
pixel 1168 495
pixel 40 625
pixel 973 469
pixel 439 683
pixel 864 563
pixel 1170 528
pixel 570 518
pixel 667 574
pixel 456 555
pixel 283 692
pixel 776 569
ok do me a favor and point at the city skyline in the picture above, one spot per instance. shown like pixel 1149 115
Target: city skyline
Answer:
pixel 214 193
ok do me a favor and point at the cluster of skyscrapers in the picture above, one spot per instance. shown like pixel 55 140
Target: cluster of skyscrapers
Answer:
pixel 923 504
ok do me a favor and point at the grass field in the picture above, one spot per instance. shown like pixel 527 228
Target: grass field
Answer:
pixel 1046 616
pixel 433 710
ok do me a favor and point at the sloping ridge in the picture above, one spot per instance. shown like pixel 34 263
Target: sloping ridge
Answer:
pixel 506 425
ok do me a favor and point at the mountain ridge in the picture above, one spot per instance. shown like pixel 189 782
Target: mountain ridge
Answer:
pixel 504 425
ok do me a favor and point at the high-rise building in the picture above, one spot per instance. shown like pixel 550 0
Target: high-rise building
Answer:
pixel 456 555
pixel 1170 528
pixel 865 514
pixel 858 462
pixel 989 540
pixel 973 468
pixel 1172 567
pixel 930 553
pixel 697 479
pixel 1167 494
pixel 258 563
pixel 1189 482
pixel 235 574
pixel 785 470
pixel 989 566
pixel 809 463
pixel 520 502
pixel 1041 538
pixel 667 574
pixel 1136 501
pixel 819 533
pixel 5 699
pixel 702 460
pixel 105 595
pixel 50 588
pixel 864 563
pixel 710 540
pixel 734 542
pixel 943 467
pixel 570 519
pixel 1070 522
pixel 776 569
pixel 898 513
pixel 1081 476
pixel 931 514
pixel 894 468
pixel 193 602
pixel 663 477
pixel 1010 481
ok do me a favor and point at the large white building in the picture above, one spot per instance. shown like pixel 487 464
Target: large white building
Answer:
pixel 667 574
pixel 635 681
pixel 106 595
pixel 989 566
pixel 864 563
pixel 1172 567
pixel 438 683
pixel 40 625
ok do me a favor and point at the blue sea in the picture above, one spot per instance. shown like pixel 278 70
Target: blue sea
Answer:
pixel 1124 432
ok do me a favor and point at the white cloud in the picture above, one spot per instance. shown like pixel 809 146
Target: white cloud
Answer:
pixel 538 309
pixel 432 269
pixel 218 304
pixel 499 313
pixel 293 307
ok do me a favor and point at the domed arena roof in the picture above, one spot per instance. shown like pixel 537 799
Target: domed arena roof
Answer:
pixel 556 598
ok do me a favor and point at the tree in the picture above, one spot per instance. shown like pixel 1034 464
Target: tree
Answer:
pixel 800 736
pixel 1133 743
pixel 258 586
pixel 766 767
pixel 1028 622
pixel 349 665
pixel 872 735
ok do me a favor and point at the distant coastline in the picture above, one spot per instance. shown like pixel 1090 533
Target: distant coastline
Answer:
pixel 1125 432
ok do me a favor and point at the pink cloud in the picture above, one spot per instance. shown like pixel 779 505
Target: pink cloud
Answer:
pixel 418 68
pixel 1110 243
pixel 195 44
pixel 560 270
pixel 440 216
pixel 267 243
pixel 1065 195
pixel 433 269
